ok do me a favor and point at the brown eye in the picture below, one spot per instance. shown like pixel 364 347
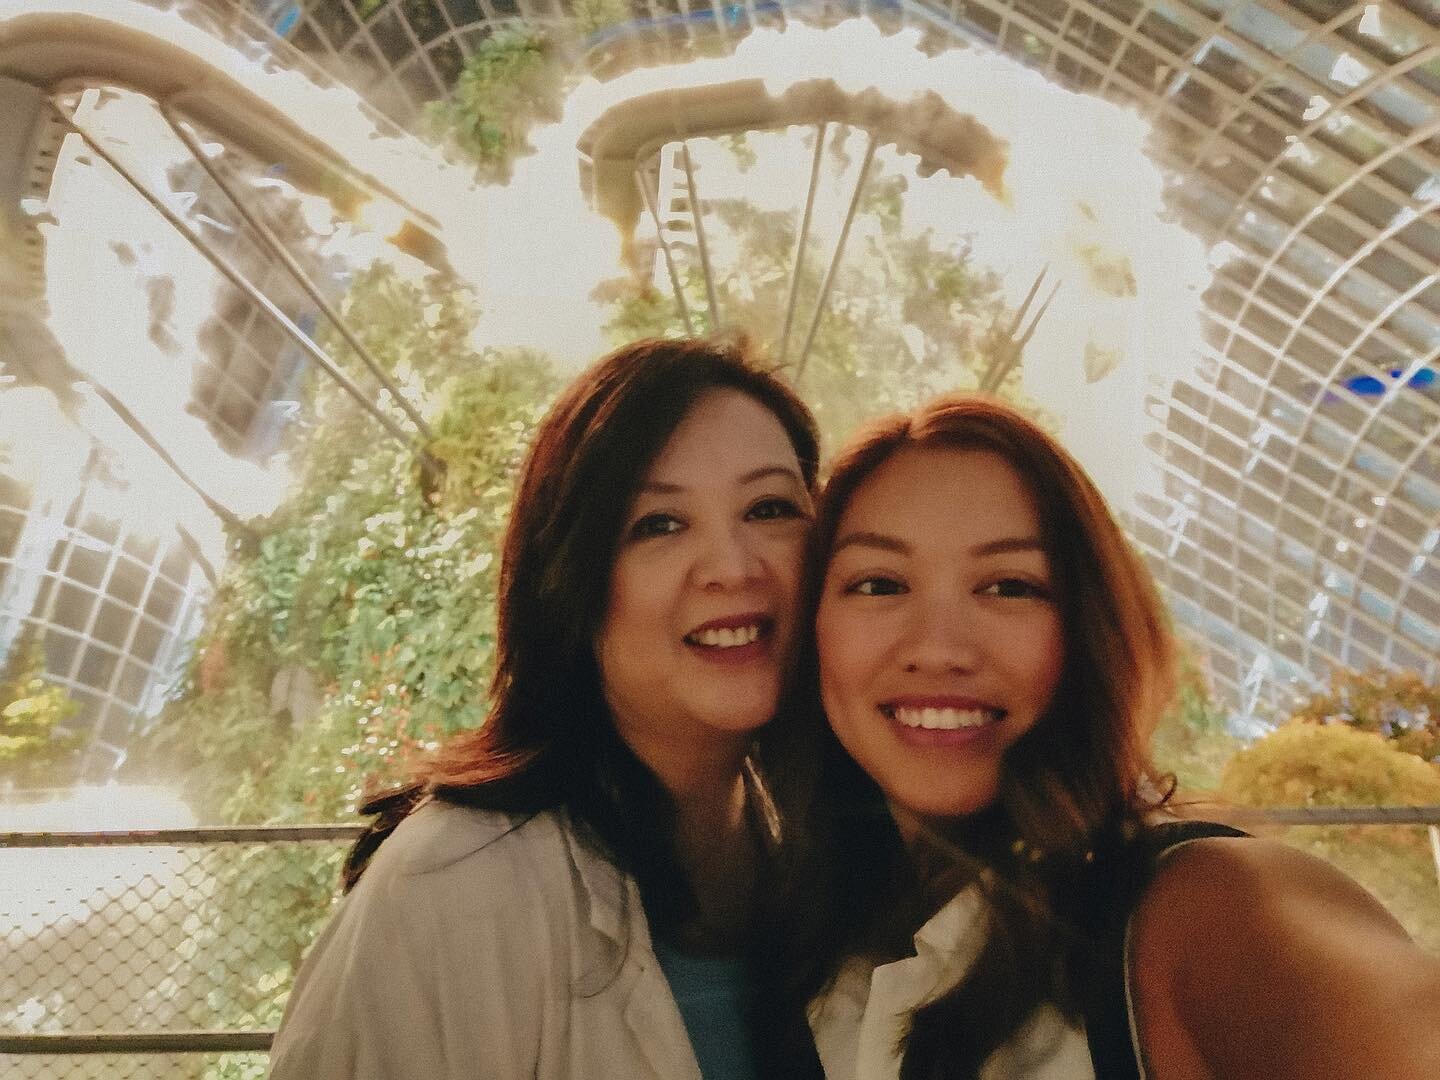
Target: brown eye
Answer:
pixel 876 585
pixel 652 525
pixel 1016 589
pixel 774 509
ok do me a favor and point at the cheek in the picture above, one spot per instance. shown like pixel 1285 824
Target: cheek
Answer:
pixel 1047 648
pixel 628 622
pixel 787 560
pixel 636 587
pixel 840 648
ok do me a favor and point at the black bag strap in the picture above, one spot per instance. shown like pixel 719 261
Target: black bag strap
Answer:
pixel 1118 880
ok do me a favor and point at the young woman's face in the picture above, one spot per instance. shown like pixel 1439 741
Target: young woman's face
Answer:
pixel 702 604
pixel 939 637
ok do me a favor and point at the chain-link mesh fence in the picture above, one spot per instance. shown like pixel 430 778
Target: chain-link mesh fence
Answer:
pixel 134 1066
pixel 130 946
pixel 189 935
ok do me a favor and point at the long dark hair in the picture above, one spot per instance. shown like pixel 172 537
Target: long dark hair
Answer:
pixel 549 740
pixel 1071 785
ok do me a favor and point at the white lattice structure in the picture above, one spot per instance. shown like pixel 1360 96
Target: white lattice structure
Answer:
pixel 1301 513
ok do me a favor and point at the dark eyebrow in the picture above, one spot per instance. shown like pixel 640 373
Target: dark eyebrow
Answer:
pixel 884 542
pixel 1008 544
pixel 879 541
pixel 659 487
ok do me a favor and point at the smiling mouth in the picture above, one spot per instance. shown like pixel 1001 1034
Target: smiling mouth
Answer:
pixel 731 637
pixel 932 718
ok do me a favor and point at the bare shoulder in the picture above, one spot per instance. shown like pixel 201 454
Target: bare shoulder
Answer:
pixel 1252 959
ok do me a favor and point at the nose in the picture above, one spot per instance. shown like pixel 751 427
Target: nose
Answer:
pixel 729 560
pixel 940 638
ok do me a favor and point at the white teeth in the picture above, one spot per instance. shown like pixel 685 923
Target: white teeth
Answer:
pixel 942 719
pixel 726 638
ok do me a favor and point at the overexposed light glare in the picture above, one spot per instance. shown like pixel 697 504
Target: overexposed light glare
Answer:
pixel 39 446
pixel 1078 196
pixel 1370 22
pixel 44 887
pixel 121 807
pixel 1349 70
pixel 1222 254
pixel 381 215
pixel 128 299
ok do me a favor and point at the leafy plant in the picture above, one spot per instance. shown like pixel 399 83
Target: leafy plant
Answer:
pixel 509 83
pixel 1191 740
pixel 1399 705
pixel 1302 763
pixel 31 709
pixel 373 585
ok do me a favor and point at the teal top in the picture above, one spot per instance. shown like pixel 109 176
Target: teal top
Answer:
pixel 713 993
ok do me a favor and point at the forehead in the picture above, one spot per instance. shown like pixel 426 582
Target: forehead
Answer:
pixel 942 495
pixel 726 432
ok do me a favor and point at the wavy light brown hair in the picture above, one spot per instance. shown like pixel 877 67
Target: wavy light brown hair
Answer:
pixel 1074 782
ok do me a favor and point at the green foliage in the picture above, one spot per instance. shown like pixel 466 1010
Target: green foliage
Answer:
pixel 355 635
pixel 31 708
pixel 1398 705
pixel 1306 764
pixel 590 16
pixel 373 585
pixel 1191 740
pixel 513 80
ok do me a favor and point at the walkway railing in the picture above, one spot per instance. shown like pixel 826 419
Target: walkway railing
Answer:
pixel 168 954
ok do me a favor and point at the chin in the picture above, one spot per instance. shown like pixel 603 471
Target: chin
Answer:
pixel 946 805
pixel 730 711
pixel 741 721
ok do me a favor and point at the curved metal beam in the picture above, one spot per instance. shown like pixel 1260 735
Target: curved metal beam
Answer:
pixel 52 46
pixel 943 137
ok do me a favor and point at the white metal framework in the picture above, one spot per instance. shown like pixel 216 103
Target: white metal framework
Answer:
pixel 1300 521
pixel 1301 518
pixel 113 598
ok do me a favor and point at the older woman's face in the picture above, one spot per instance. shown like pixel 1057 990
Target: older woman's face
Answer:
pixel 939 638
pixel 703 594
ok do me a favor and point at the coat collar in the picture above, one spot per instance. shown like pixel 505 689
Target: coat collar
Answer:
pixel 617 952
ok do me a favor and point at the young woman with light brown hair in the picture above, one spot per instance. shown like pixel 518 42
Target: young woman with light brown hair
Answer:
pixel 994 888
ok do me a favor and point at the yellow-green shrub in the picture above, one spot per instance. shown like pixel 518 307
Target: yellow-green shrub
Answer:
pixel 1307 764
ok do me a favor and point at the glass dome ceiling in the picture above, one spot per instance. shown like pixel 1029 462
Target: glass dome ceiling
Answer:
pixel 1299 515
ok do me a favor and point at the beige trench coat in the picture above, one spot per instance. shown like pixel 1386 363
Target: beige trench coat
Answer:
pixel 484 946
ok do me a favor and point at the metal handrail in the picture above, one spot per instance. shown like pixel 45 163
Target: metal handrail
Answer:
pixel 1335 815
pixel 250 834
pixel 130 1042
pixel 201 1041
pixel 215 834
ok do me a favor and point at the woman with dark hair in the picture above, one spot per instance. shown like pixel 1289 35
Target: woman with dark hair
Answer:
pixel 994 890
pixel 574 889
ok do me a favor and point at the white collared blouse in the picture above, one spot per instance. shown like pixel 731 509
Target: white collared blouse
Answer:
pixel 484 945
pixel 860 1022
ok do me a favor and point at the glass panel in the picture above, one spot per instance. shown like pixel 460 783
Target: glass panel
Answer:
pixel 388 33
